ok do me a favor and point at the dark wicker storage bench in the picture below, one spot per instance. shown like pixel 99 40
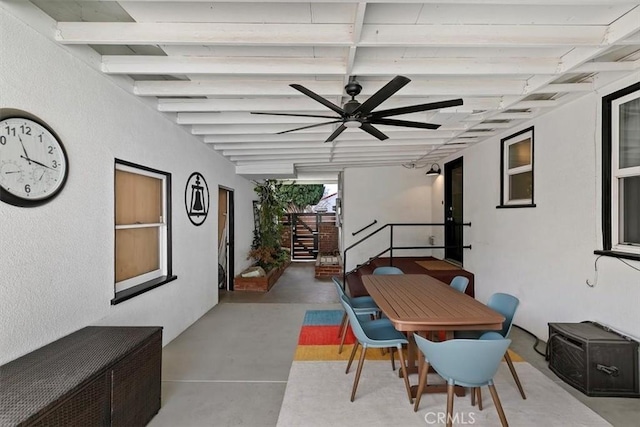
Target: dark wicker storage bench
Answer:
pixel 97 376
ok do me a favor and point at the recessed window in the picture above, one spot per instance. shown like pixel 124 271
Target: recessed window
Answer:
pixel 142 229
pixel 516 183
pixel 621 171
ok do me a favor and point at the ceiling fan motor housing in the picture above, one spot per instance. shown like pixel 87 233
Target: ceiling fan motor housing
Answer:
pixel 353 88
pixel 350 106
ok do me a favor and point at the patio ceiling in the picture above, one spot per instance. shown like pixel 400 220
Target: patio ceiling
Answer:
pixel 211 63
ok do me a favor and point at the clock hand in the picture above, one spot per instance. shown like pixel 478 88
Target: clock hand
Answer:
pixel 37 163
pixel 24 150
pixel 7 173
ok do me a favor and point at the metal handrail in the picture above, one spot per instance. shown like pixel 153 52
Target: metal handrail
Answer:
pixel 375 221
pixel 391 247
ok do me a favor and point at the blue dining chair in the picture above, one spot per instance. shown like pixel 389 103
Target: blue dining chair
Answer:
pixel 460 283
pixel 506 305
pixel 363 306
pixel 466 363
pixel 387 270
pixel 374 334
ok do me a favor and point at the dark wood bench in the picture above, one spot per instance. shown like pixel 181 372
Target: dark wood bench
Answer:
pixel 97 376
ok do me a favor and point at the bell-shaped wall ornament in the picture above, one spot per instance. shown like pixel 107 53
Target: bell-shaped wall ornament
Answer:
pixel 197 200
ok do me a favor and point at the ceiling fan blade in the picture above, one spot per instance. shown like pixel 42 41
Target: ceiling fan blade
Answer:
pixel 382 95
pixel 336 132
pixel 373 131
pixel 405 123
pixel 318 98
pixel 417 108
pixel 296 115
pixel 307 127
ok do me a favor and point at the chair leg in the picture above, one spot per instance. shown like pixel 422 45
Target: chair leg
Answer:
pixel 342 324
pixel 450 390
pixel 393 361
pixel 424 369
pixel 512 368
pixel 358 371
pixel 405 375
pixel 353 353
pixel 496 401
pixel 479 392
pixel 344 335
pixel 473 396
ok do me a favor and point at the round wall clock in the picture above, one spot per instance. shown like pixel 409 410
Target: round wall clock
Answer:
pixel 33 162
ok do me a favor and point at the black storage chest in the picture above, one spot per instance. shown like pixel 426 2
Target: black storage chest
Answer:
pixel 97 376
pixel 594 359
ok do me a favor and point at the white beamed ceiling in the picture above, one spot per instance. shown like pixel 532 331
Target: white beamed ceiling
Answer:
pixel 210 64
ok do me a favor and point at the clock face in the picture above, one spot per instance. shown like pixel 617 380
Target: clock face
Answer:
pixel 33 163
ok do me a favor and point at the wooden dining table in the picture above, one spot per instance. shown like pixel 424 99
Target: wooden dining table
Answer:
pixel 422 304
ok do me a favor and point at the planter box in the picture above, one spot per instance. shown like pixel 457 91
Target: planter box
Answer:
pixel 328 266
pixel 259 284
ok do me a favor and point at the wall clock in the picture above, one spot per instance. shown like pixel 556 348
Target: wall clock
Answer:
pixel 33 162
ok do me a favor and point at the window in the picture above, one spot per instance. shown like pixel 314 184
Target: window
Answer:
pixel 142 230
pixel 516 165
pixel 621 172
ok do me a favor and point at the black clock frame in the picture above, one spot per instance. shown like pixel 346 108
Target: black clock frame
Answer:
pixel 14 200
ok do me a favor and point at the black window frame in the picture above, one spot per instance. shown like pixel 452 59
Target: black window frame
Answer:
pixel 134 291
pixel 607 145
pixel 503 141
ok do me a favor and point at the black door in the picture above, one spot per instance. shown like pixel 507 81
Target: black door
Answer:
pixel 453 210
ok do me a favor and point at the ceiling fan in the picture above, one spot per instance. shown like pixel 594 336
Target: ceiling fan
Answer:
pixel 357 115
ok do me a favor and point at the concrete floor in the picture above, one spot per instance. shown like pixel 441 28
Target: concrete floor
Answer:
pixel 230 368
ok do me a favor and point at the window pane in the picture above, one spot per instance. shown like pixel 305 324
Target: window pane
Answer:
pixel 630 210
pixel 137 252
pixel 630 134
pixel 520 153
pixel 138 198
pixel 521 186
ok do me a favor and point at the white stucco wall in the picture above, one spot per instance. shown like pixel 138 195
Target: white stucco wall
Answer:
pixel 56 261
pixel 391 194
pixel 544 255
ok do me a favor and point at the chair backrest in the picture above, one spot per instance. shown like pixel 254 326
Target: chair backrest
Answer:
pixel 336 281
pixel 506 305
pixel 387 270
pixel 469 363
pixel 460 283
pixel 356 327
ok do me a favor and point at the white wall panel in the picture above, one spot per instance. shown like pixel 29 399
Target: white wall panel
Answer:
pixel 544 255
pixel 389 195
pixel 56 261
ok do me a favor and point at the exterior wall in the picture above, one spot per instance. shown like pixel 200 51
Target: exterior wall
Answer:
pixel 57 260
pixel 389 195
pixel 544 255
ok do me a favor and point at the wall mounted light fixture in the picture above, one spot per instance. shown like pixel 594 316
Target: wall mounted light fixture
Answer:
pixel 435 170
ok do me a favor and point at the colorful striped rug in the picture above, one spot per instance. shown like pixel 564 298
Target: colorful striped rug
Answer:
pixel 319 339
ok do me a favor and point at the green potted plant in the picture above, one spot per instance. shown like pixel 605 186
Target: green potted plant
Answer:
pixel 266 249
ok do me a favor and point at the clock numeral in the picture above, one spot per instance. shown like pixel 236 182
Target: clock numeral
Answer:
pixel 54 163
pixel 26 130
pixel 10 130
pixel 40 136
pixel 50 150
pixel 27 189
pixel 3 140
